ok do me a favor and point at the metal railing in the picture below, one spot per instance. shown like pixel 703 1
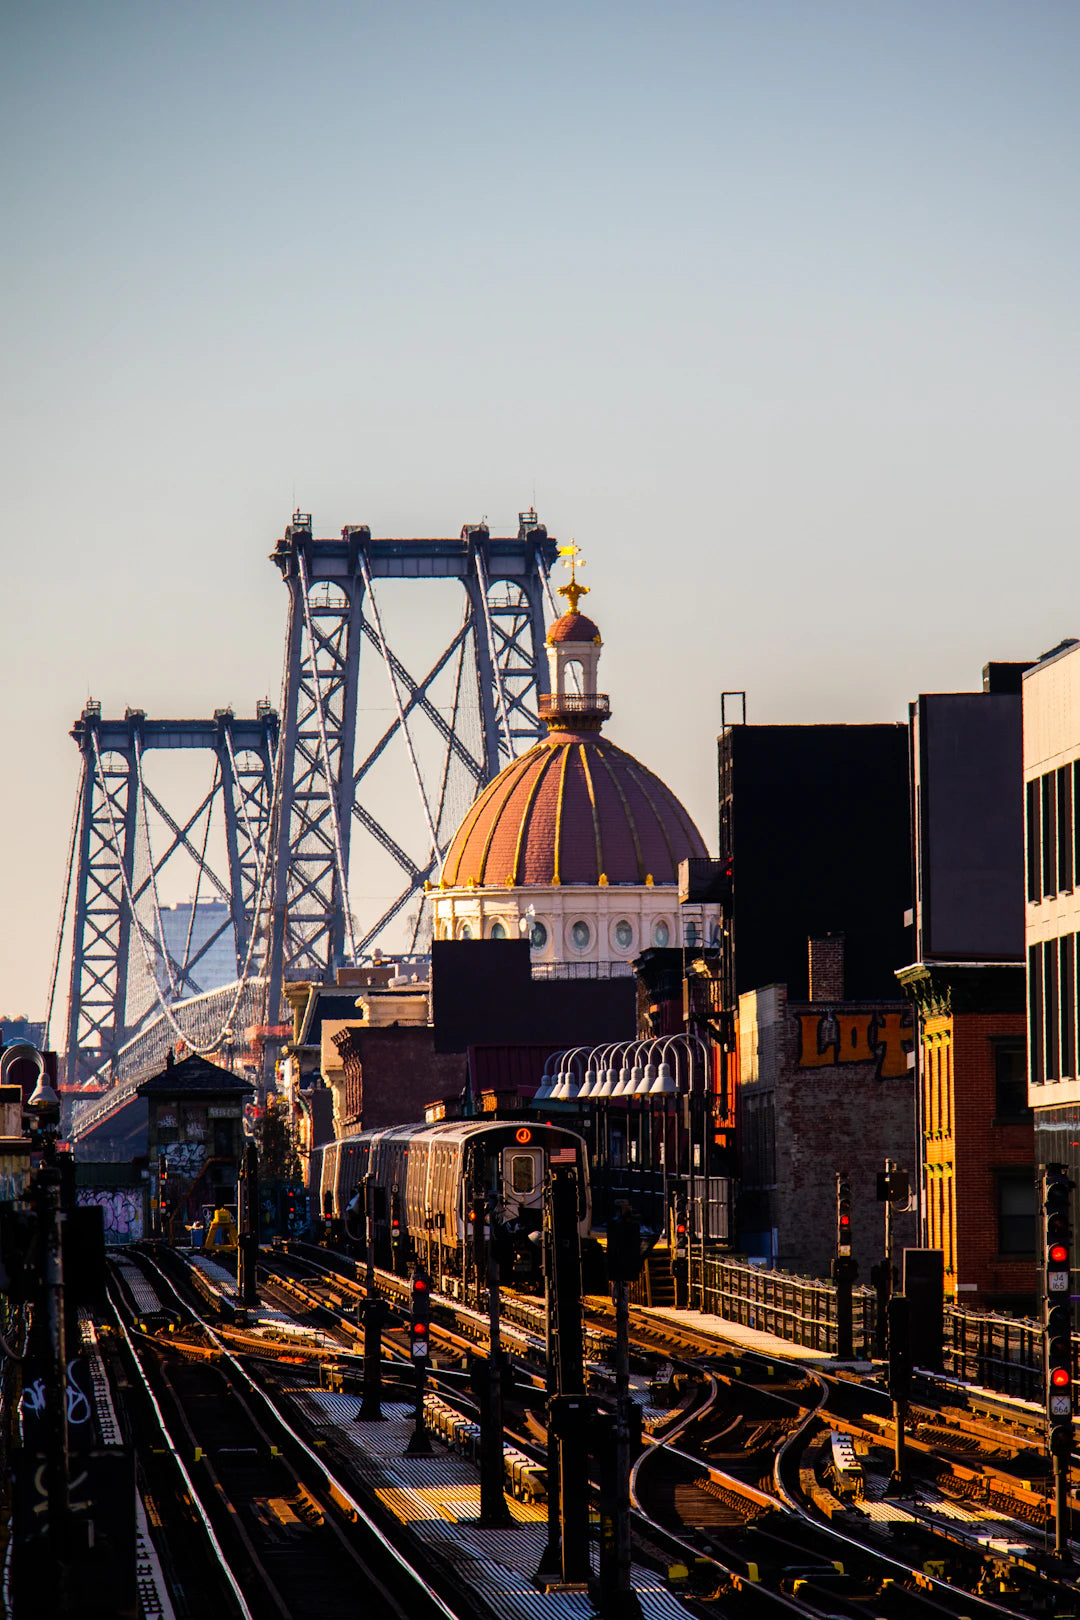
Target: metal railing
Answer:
pixel 799 1309
pixel 574 703
pixel 1002 1353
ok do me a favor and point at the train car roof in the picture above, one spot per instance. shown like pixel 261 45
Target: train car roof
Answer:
pixel 449 1130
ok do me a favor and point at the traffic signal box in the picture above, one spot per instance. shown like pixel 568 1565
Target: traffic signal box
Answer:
pixel 1057 1310
pixel 843 1218
pixel 420 1326
pixel 681 1225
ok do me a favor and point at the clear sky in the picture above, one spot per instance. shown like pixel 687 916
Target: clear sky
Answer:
pixel 772 303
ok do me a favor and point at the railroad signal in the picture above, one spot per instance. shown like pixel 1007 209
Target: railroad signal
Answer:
pixel 420 1325
pixel 843 1216
pixel 681 1223
pixel 1057 1311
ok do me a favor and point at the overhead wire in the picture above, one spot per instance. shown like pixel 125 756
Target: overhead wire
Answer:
pixel 114 839
pixel 76 821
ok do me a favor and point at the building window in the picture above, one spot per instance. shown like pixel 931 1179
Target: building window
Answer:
pixel 1064 828
pixel 580 935
pixel 1034 886
pixel 1067 1005
pixel 498 931
pixel 465 932
pixel 1049 835
pixel 624 935
pixel 1050 1010
pixel 1035 1014
pixel 1016 1212
pixel 661 934
pixel 538 936
pixel 1010 1081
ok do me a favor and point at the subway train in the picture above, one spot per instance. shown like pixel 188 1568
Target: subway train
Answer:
pixel 422 1181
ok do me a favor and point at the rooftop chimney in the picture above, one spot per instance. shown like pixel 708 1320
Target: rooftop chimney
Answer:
pixel 826 967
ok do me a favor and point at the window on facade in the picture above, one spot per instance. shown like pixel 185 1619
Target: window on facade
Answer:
pixel 1049 834
pixel 1016 1211
pixel 498 931
pixel 580 935
pixel 1067 1004
pixel 1010 1080
pixel 1034 885
pixel 538 936
pixel 1050 1010
pixel 661 934
pixel 1064 829
pixel 1035 1013
pixel 624 935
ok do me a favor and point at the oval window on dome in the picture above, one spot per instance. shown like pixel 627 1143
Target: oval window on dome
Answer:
pixel 498 931
pixel 580 936
pixel 661 934
pixel 538 936
pixel 624 934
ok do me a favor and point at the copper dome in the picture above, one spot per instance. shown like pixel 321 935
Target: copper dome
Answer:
pixel 573 627
pixel 574 809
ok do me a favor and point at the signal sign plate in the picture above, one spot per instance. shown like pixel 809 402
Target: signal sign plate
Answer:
pixel 1060 1406
pixel 1057 1282
pixel 843 1249
pixel 419 1348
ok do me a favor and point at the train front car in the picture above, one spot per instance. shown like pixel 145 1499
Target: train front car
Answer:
pixel 424 1181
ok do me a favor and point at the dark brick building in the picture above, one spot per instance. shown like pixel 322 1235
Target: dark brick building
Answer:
pixel 824 1087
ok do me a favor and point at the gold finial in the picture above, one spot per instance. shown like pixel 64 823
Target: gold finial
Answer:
pixel 572 559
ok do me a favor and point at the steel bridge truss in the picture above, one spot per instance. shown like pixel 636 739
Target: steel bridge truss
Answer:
pixel 110 879
pixel 334 614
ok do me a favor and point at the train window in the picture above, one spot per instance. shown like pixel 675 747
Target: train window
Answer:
pixel 523 1173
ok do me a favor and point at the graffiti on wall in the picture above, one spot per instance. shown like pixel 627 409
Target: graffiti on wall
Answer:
pixel 881 1038
pixel 185 1158
pixel 121 1209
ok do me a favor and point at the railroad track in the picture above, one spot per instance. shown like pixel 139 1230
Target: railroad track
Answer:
pixel 281 1534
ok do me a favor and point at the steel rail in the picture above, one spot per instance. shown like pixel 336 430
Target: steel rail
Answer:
pixel 332 1482
pixel 189 1483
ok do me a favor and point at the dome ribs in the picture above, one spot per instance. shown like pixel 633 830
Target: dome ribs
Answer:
pixel 526 812
pixel 556 876
pixel 582 750
pixel 631 823
pixel 643 786
pixel 500 821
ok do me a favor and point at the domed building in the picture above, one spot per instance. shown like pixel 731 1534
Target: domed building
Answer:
pixel 575 843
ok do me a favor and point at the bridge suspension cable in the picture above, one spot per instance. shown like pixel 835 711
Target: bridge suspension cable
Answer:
pixel 69 877
pixel 203 1049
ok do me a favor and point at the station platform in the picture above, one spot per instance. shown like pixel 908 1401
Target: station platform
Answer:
pixel 438 1498
pixel 747 1338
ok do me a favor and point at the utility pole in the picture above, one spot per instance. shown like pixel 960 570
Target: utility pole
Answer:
pixel 620 1432
pixel 493 1508
pixel 565 1564
pixel 248 1244
pixel 900 1371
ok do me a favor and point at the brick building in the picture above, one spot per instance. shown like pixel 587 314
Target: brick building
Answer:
pixel 967 986
pixel 976 1130
pixel 824 1086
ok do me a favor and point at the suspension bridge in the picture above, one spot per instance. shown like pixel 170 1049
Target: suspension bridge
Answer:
pixel 298 805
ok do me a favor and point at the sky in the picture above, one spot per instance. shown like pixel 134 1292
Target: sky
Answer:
pixel 770 303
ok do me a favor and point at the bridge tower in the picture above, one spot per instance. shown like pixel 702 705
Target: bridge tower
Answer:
pixel 498 656
pixel 114 870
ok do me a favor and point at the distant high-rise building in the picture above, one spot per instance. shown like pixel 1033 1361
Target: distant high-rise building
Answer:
pixel 216 965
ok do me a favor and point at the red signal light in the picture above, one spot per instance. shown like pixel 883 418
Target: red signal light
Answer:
pixel 681 1229
pixel 1060 1377
pixel 419 1286
pixel 845 1220
pixel 420 1328
pixel 1059 1254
